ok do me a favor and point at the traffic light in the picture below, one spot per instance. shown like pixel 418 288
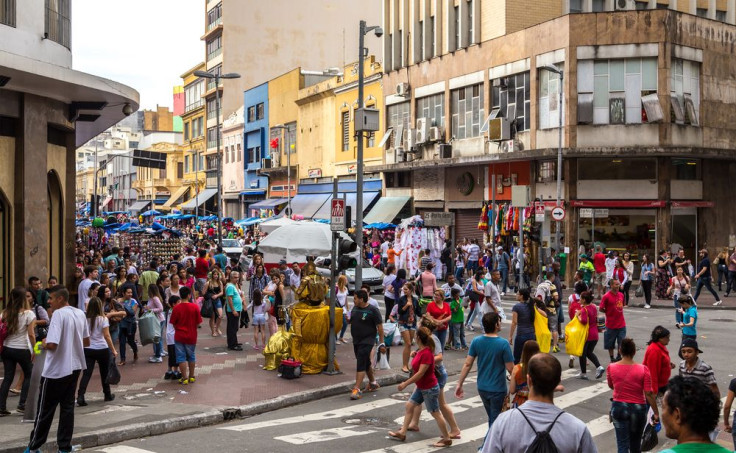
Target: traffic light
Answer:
pixel 345 260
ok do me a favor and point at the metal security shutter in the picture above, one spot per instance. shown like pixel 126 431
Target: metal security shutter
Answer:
pixel 466 225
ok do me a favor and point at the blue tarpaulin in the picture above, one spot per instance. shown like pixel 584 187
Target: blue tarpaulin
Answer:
pixel 251 221
pixel 380 225
pixel 150 213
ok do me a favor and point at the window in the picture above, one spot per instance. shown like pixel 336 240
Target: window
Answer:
pixel 546 171
pixel 193 95
pixel 371 140
pixel 346 131
pixel 211 108
pixel 433 108
pixel 616 168
pixel 251 113
pixel 259 111
pixel 214 17
pixel 401 179
pixel 179 170
pixel 576 6
pixel 616 88
pixel 401 48
pixel 240 153
pixel 512 94
pixel 422 51
pixel 686 169
pixel 434 37
pixel 212 137
pixel 187 169
pixel 217 70
pixel 227 154
pixel 58 26
pixel 721 15
pixel 599 6
pixel 685 94
pixel 701 12
pixel 549 98
pixel 214 47
pixel 254 154
pixel 398 120
pixel 641 5
pixel 7 12
pixel 468 112
pixel 470 22
pixel 186 131
pixel 197 127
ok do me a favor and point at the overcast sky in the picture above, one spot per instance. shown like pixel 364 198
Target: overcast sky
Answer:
pixel 145 44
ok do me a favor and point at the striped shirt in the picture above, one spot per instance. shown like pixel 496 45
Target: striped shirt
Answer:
pixel 701 371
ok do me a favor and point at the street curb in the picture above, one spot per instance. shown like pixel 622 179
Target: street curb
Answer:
pixel 213 417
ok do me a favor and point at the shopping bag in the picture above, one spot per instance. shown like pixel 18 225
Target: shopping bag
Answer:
pixel 150 329
pixel 207 308
pixel 541 329
pixel 639 291
pixel 576 334
pixel 649 439
pixel 113 374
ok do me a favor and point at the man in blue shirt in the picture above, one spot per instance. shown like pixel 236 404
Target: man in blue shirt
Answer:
pixel 221 258
pixel 704 278
pixel 494 360
pixel 689 318
pixel 233 307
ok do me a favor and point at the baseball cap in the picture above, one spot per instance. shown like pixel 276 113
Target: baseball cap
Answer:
pixel 583 255
pixel 690 343
pixel 282 262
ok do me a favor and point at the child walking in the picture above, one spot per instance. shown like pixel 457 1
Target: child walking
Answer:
pixel 457 320
pixel 259 318
pixel 173 372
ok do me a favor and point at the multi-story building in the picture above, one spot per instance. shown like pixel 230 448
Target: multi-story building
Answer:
pixel 47 110
pixel 156 187
pixel 256 146
pixel 193 144
pixel 473 95
pixel 233 176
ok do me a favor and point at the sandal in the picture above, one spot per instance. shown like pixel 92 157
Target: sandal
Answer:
pixel 443 443
pixel 454 436
pixel 398 436
pixel 405 371
pixel 121 363
pixel 411 428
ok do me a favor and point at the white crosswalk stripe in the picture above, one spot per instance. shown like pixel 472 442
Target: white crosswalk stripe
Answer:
pixel 325 435
pixel 123 449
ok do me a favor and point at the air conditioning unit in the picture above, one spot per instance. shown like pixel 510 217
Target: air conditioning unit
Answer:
pixel 402 89
pixel 624 5
pixel 411 139
pixel 266 163
pixel 445 151
pixel 434 134
pixel 422 134
pixel 499 129
pixel 509 146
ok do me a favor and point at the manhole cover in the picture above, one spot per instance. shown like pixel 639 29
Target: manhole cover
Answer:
pixel 401 396
pixel 369 421
pixel 722 320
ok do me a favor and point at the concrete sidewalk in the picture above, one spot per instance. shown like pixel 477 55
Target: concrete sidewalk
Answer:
pixel 229 384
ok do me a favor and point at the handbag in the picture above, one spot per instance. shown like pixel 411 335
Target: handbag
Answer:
pixel 150 329
pixel 113 374
pixel 207 310
pixel 649 439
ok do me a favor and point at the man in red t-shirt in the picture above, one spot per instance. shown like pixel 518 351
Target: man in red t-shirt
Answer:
pixel 201 267
pixel 599 263
pixel 185 317
pixel 612 305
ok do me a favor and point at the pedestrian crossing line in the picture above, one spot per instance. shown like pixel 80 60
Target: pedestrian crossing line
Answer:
pixel 478 432
pixel 325 435
pixel 600 425
pixel 123 449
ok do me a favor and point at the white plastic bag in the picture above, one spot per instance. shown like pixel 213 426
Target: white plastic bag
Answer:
pixel 383 362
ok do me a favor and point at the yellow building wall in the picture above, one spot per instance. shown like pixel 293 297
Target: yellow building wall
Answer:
pixel 316 125
pixel 282 109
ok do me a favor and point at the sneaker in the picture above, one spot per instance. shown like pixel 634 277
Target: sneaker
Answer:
pixel 155 360
pixel 356 394
pixel 599 372
pixel 503 294
pixel 371 387
pixel 717 303
pixel 164 354
pixel 647 306
pixel 192 380
pixel 556 349
pixel 571 363
pixel 81 402
pixel 177 376
pixel 582 376
pixel 183 381
pixel 169 375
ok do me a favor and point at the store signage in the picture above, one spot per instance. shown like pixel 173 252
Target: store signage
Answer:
pixel 590 213
pixel 558 213
pixel 439 219
pixel 314 173
pixel 539 212
pixel 337 215
pixel 352 168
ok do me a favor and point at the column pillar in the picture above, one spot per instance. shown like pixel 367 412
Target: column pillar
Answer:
pixel 69 243
pixel 693 7
pixel 652 4
pixel 587 6
pixel 731 12
pixel 673 4
pixel 711 9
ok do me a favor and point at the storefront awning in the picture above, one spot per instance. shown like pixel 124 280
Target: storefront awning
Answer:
pixel 202 198
pixel 106 202
pixel 692 204
pixel 139 205
pixel 268 204
pixel 350 200
pixel 617 204
pixel 253 192
pixel 386 210
pixel 307 205
pixel 176 196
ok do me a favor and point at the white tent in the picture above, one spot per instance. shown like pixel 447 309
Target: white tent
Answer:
pixel 295 242
pixel 270 226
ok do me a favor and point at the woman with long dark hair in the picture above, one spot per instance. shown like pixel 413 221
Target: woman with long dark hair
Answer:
pixel 523 314
pixel 258 280
pixel 664 272
pixel 407 316
pixel 17 347
pixel 99 350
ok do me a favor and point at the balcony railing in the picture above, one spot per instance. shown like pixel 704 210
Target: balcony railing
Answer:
pixel 211 144
pixel 214 53
pixel 194 106
pixel 214 23
pixel 211 84
pixel 58 26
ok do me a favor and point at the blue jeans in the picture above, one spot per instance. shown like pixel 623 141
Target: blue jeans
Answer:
pixel 458 332
pixel 678 315
pixel 629 421
pixel 504 278
pixel 705 281
pixel 472 315
pixel 442 336
pixel 519 341
pixel 158 348
pixel 459 271
pixel 492 402
pixel 472 266
pixel 344 324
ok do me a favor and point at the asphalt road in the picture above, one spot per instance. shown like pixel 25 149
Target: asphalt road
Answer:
pixel 338 424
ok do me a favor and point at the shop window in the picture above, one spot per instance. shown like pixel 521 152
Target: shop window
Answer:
pixel 618 91
pixel 468 111
pixel 686 169
pixel 397 116
pixel 401 179
pixel 432 108
pixel 549 98
pixel 617 168
pixel 546 171
pixel 513 92
pixel 685 85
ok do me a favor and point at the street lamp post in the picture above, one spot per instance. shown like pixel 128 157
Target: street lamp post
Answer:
pixel 559 72
pixel 217 77
pixel 378 31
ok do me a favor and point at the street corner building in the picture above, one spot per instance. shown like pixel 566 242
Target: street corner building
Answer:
pixel 47 110
pixel 473 96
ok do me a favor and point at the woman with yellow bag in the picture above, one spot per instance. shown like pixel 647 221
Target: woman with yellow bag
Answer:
pixel 524 319
pixel 588 315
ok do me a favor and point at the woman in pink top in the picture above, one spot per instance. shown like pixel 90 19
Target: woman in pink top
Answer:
pixel 632 389
pixel 428 282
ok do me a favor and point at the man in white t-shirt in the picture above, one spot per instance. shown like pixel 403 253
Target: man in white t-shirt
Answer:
pixel 67 337
pixel 91 274
pixel 384 253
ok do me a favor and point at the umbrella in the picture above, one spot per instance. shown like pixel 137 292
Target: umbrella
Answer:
pixel 272 225
pixel 150 213
pixel 294 243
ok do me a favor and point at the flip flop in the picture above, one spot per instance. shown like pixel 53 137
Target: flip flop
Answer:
pixel 405 371
pixel 443 443
pixel 413 429
pixel 456 436
pixel 398 436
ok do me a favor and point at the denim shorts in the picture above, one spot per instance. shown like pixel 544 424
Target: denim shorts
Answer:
pixel 218 304
pixel 442 379
pixel 185 352
pixel 407 327
pixel 430 398
pixel 611 336
pixel 259 319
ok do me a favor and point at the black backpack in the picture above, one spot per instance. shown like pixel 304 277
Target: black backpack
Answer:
pixel 543 442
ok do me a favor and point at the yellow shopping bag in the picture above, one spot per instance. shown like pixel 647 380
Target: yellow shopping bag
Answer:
pixel 576 334
pixel 541 329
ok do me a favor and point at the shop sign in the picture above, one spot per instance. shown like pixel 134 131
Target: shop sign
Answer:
pixel 314 173
pixel 539 212
pixel 352 168
pixel 590 213
pixel 438 219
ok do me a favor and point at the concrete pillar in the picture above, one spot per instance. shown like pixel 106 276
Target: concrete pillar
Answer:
pixel 673 4
pixel 711 9
pixel 566 7
pixel 652 4
pixel 587 6
pixel 693 8
pixel 69 245
pixel 610 5
pixel 731 12
pixel 449 27
pixel 30 221
pixel 664 215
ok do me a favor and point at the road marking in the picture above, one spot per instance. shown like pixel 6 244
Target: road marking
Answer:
pixel 479 431
pixel 325 435
pixel 123 449
pixel 599 425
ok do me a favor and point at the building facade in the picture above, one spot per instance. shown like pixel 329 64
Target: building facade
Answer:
pixel 645 117
pixel 193 144
pixel 47 110
pixel 233 174
pixel 255 144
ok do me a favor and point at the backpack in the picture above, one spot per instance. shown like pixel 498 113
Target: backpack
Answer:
pixel 542 442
